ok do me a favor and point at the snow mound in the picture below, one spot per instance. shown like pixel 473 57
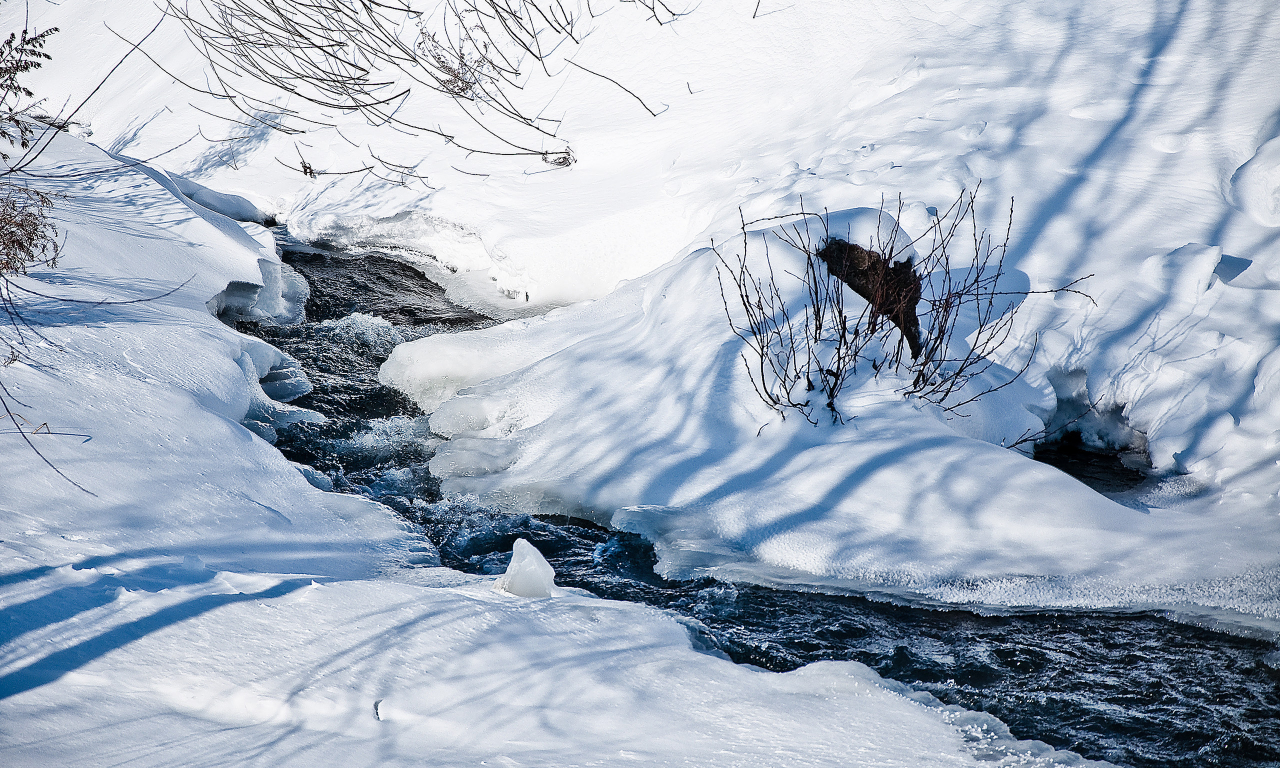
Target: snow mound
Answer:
pixel 644 417
pixel 172 398
pixel 231 206
pixel 1256 185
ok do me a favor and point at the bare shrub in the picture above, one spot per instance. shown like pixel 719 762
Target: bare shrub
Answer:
pixel 780 349
pixel 373 57
pixel 802 355
pixel 28 238
pixel 27 235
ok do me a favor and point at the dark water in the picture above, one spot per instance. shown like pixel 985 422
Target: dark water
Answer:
pixel 1135 689
pixel 1103 471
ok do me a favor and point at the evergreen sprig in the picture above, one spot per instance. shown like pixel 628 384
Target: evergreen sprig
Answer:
pixel 20 53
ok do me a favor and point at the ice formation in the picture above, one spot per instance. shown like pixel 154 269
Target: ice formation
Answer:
pixel 529 574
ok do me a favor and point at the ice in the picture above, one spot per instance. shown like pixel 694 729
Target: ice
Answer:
pixel 1103 428
pixel 314 476
pixel 285 381
pixel 452 246
pixel 432 370
pixel 284 377
pixel 280 296
pixel 529 574
pixel 283 298
pixel 235 302
pixel 467 456
pixel 385 436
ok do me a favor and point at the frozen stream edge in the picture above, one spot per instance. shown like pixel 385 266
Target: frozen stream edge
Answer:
pixel 491 559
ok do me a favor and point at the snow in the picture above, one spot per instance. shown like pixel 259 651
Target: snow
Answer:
pixel 1138 141
pixel 232 206
pixel 1255 187
pixel 650 424
pixel 199 602
pixel 384 673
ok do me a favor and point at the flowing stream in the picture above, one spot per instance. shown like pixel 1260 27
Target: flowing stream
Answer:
pixel 1136 689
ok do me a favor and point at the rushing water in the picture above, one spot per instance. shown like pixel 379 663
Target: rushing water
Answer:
pixel 1135 689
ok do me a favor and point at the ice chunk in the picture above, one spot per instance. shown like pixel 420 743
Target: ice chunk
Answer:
pixel 314 476
pixel 285 381
pixel 261 429
pixel 235 302
pixel 473 456
pixel 529 574
pixel 284 293
pixel 375 334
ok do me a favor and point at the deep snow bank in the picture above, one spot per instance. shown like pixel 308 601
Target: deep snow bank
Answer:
pixel 646 418
pixel 376 673
pixel 161 388
pixel 1138 142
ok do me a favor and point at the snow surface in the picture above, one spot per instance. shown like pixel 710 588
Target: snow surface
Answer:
pixel 649 423
pixel 200 603
pixel 1139 141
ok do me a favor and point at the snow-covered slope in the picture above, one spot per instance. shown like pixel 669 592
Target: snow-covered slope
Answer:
pixel 205 603
pixel 155 390
pixel 1139 141
pixel 1122 130
pixel 649 422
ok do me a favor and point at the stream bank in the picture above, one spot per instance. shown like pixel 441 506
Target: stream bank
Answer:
pixel 1133 688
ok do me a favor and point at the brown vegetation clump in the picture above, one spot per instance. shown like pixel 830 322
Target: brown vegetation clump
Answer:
pixel 892 289
pixel 27 234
